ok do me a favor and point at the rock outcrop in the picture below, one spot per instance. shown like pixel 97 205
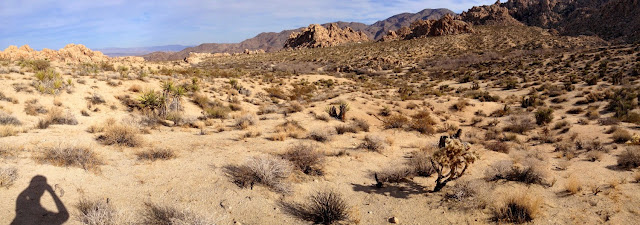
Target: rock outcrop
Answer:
pixel 195 58
pixel 489 15
pixel 446 25
pixel 317 36
pixel 71 53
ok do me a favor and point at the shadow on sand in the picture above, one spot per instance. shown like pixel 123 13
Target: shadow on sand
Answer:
pixel 29 210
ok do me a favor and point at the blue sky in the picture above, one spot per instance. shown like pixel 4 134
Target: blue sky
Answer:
pixel 137 23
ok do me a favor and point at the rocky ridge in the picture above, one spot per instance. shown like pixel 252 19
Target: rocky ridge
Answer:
pixel 447 25
pixel 71 53
pixel 317 36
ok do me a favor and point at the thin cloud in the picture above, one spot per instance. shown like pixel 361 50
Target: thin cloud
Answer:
pixel 119 23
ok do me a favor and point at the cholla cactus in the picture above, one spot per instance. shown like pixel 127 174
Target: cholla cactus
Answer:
pixel 451 161
pixel 635 140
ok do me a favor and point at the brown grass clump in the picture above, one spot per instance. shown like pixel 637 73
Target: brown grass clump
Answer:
pixel 289 128
pixel 56 116
pixel 82 157
pixel 7 130
pixel 460 105
pixel 519 124
pixel 96 212
pixel 135 88
pixel 373 143
pixel 245 121
pixel 630 158
pixel 305 158
pixel 162 214
pixel 324 207
pixel 8 176
pixel 621 136
pixel 498 146
pixel 121 134
pixel 321 135
pixel 530 172
pixel 520 207
pixel 32 107
pixel 573 185
pixel 6 119
pixel 154 154
pixel 420 163
pixel 423 123
pixel 395 121
pixel 266 170
pixel 394 175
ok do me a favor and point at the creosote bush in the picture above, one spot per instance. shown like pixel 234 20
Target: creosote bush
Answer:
pixel 324 207
pixel 544 116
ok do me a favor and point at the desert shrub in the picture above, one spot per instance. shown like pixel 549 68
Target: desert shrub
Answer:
pixel 96 212
pixel 622 101
pixel 630 158
pixel 497 146
pixel 32 108
pixel 324 207
pixel 321 135
pixel 245 121
pixel 361 124
pixel 121 134
pixel 8 176
pixel 305 158
pixel 266 170
pixel 467 194
pixel 594 156
pixel 56 116
pixel 573 185
pixel 135 88
pixel 268 109
pixel 531 172
pixel 393 175
pixel 420 163
pixel 6 119
pixel 423 123
pixel 49 82
pixel 76 156
pixel 154 154
pixel 519 207
pixel 373 143
pixel 216 112
pixel 544 116
pixel 576 110
pixel 451 162
pixel 163 214
pixel 340 114
pixel 621 135
pixel 460 105
pixel 341 129
pixel 290 128
pixel 395 121
pixel 519 124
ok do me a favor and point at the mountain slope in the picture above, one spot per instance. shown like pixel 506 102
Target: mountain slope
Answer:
pixel 272 41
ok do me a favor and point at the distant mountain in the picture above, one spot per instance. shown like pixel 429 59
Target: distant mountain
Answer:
pixel 113 52
pixel 272 41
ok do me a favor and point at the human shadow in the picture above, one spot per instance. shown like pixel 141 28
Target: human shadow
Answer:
pixel 29 210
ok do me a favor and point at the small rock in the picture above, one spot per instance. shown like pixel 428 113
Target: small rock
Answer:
pixel 167 123
pixel 394 220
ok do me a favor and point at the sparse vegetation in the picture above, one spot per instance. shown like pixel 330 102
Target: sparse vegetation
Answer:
pixel 69 155
pixel 324 207
pixel 266 170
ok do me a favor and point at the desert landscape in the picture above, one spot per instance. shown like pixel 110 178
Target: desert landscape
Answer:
pixel 505 113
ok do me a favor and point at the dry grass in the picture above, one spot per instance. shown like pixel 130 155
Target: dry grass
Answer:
pixel 154 154
pixel 8 176
pixel 321 135
pixel 121 134
pixel 573 185
pixel 69 155
pixel 420 162
pixel 498 146
pixel 530 172
pixel 8 130
pixel 96 212
pixel 395 121
pixel 621 136
pixel 163 214
pixel 6 119
pixel 56 116
pixel 394 174
pixel 519 124
pixel 266 170
pixel 305 158
pixel 324 207
pixel 373 143
pixel 630 158
pixel 289 128
pixel 244 121
pixel 519 207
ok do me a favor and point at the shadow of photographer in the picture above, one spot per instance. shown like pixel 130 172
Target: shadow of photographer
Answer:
pixel 29 210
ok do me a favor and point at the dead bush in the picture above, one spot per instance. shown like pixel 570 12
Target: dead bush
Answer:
pixel 420 163
pixel 630 158
pixel 266 170
pixel 154 154
pixel 520 207
pixel 96 212
pixel 69 155
pixel 121 134
pixel 305 158
pixel 324 207
pixel 530 172
pixel 393 175
pixel 467 194
pixel 498 146
pixel 395 121
pixel 373 143
pixel 6 119
pixel 164 214
pixel 519 124
pixel 621 136
pixel 341 129
pixel 8 176
pixel 321 135
pixel 56 116
pixel 245 121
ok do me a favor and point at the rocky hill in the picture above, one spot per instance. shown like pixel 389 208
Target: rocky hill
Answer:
pixel 615 20
pixel 446 25
pixel 274 41
pixel 317 36
pixel 71 53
